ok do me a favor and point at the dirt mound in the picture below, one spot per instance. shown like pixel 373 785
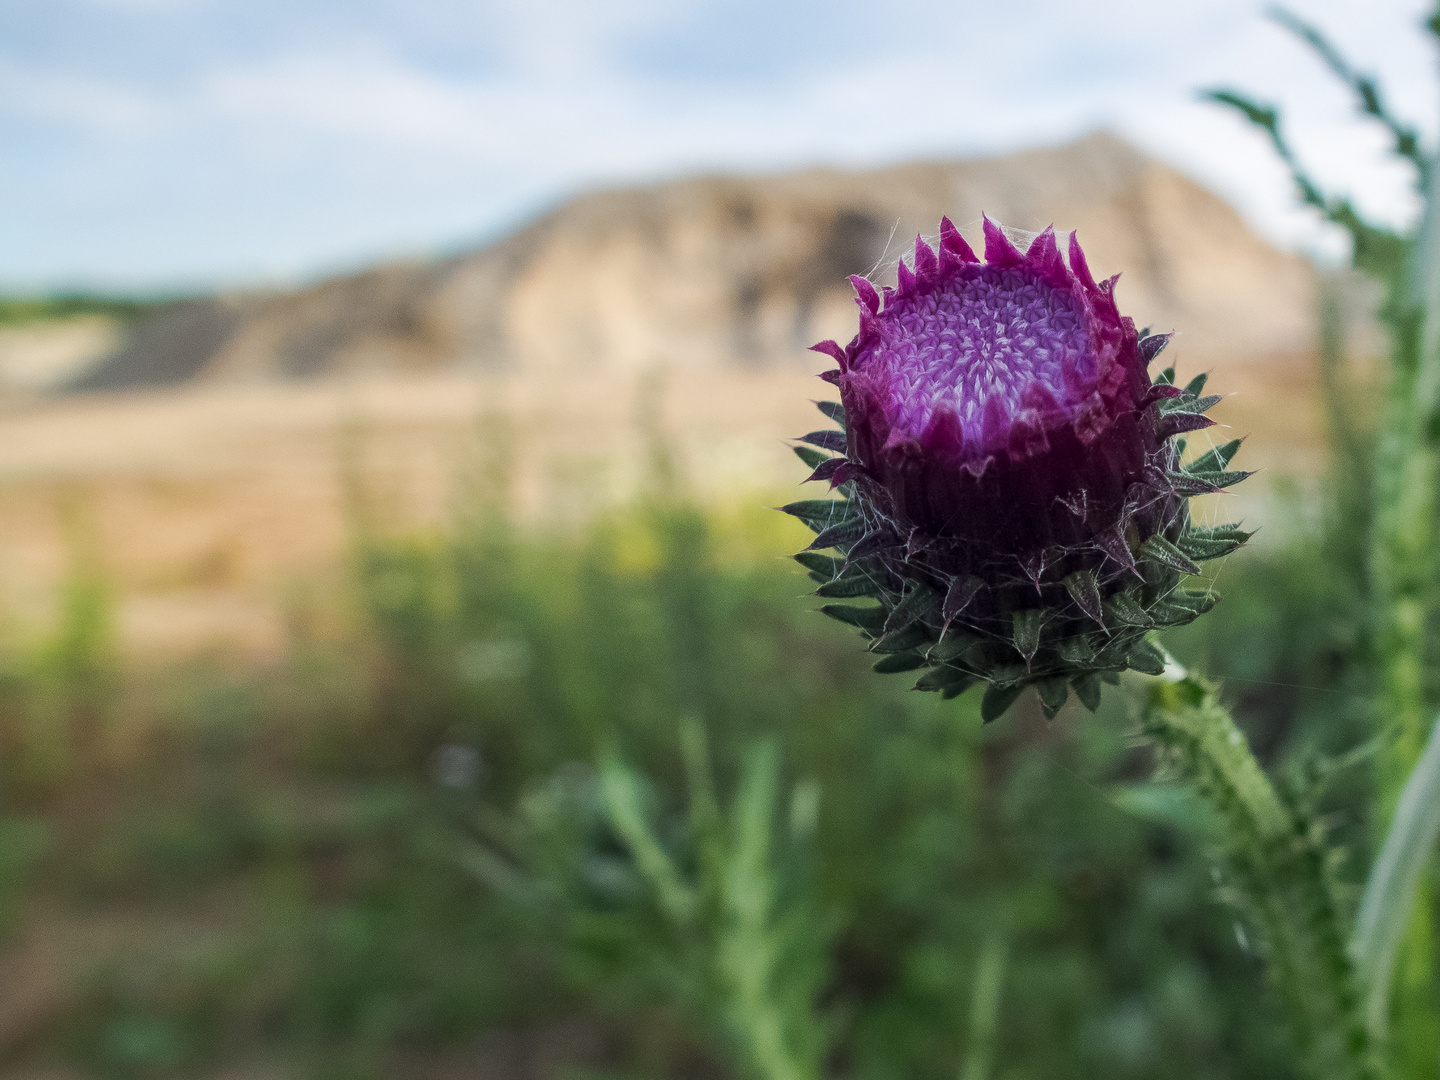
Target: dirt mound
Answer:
pixel 736 271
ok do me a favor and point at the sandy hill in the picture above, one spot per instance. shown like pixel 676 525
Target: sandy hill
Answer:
pixel 736 271
pixel 210 488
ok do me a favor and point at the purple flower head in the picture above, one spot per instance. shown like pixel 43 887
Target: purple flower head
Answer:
pixel 1010 477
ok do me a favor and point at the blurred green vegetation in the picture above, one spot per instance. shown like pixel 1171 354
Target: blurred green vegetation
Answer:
pixel 619 803
pixel 18 310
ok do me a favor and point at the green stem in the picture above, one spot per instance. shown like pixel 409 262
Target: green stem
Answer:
pixel 1279 870
pixel 1394 883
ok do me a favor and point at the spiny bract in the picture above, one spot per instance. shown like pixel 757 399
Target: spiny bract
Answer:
pixel 1011 485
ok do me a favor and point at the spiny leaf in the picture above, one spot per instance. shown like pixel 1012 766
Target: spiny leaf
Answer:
pixel 942 678
pixel 1232 531
pixel 827 470
pixel 1167 554
pixel 911 637
pixel 866 618
pixel 820 514
pixel 1087 689
pixel 871 542
pixel 827 565
pixel 1084 589
pixel 1201 549
pixel 997 699
pixel 1076 650
pixel 1185 484
pixel 1222 480
pixel 1179 423
pixel 1196 386
pixel 1025 631
pixel 833 409
pixel 849 585
pixel 897 662
pixel 843 533
pixel 1152 345
pixel 953 644
pixel 812 458
pixel 1122 608
pixel 1145 657
pixel 917 604
pixel 1215 460
pixel 1053 692
pixel 1166 376
pixel 826 440
pixel 1196 602
pixel 957 598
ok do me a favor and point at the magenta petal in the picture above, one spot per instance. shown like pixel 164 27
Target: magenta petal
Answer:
pixel 905 279
pixel 831 349
pixel 865 293
pixel 1044 256
pixel 999 251
pixel 953 242
pixel 926 265
pixel 1078 266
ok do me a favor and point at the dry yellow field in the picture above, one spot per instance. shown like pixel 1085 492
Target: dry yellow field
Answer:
pixel 209 508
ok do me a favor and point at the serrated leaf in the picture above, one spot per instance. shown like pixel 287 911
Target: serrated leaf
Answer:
pixel 1084 589
pixel 1167 554
pixel 820 514
pixel 997 700
pixel 1025 627
pixel 811 457
pixel 898 662
pixel 917 604
pixel 1214 460
pixel 866 618
pixel 1145 657
pixel 911 637
pixel 833 409
pixel 1087 689
pixel 828 439
pixel 1053 693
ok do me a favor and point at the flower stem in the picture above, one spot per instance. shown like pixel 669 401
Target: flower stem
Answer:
pixel 1279 872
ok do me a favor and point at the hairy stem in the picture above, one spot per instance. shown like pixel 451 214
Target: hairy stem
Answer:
pixel 1279 872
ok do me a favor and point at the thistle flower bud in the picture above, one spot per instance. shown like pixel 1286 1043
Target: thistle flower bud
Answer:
pixel 1011 485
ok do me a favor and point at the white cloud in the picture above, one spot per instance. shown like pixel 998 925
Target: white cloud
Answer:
pixel 404 147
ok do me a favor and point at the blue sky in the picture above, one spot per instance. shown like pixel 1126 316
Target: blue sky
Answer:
pixel 185 143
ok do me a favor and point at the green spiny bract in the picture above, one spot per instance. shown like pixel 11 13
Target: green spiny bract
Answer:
pixel 1014 502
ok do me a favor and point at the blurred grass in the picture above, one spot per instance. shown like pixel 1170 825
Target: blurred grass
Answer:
pixel 19 310
pixel 392 846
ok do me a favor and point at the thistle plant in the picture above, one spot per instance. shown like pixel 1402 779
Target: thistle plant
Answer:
pixel 1011 492
pixel 1013 489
